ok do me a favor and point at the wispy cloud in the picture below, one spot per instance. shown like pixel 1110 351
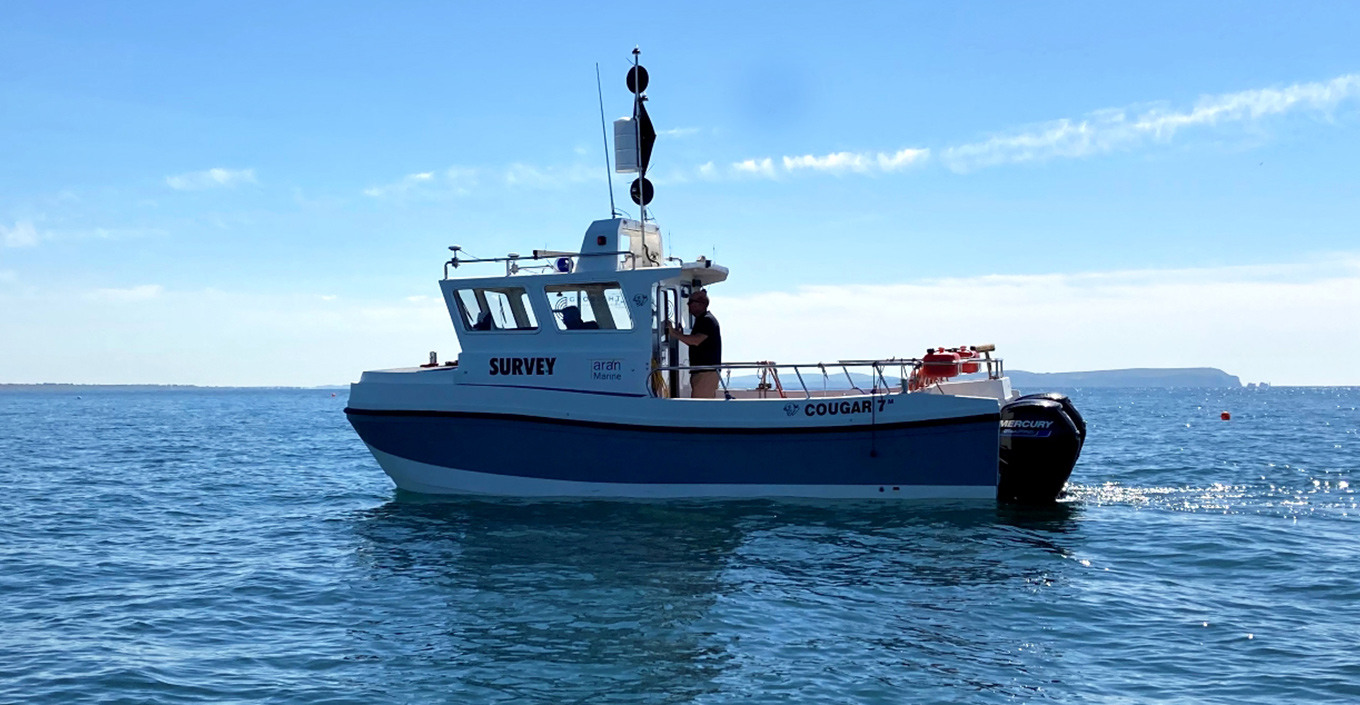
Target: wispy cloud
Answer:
pixel 835 163
pixel 22 234
pixel 25 234
pixel 143 292
pixel 123 233
pixel 756 167
pixel 678 132
pixel 552 176
pixel 1124 128
pixel 858 162
pixel 462 181
pixel 453 181
pixel 405 186
pixel 212 178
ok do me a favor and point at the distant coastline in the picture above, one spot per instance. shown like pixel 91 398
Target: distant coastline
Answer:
pixel 1209 377
pixel 1134 377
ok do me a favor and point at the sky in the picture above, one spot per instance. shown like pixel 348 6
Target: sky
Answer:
pixel 251 193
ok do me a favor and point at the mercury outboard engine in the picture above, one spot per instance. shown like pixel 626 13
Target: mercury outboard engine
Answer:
pixel 1041 438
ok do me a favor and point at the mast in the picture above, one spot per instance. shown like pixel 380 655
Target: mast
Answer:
pixel 644 136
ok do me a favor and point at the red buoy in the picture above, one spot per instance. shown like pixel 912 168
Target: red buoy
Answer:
pixel 1225 416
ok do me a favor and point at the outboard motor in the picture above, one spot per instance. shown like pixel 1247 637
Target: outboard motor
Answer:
pixel 1067 406
pixel 1041 438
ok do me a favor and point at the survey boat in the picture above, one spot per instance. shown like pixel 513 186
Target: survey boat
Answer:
pixel 567 385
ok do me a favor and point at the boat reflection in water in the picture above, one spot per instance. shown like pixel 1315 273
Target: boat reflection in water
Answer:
pixel 650 602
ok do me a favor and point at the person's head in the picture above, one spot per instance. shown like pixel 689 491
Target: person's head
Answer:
pixel 571 317
pixel 698 302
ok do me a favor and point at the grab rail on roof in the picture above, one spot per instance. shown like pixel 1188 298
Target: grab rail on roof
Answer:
pixel 512 260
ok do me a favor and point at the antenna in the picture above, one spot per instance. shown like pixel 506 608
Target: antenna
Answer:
pixel 613 212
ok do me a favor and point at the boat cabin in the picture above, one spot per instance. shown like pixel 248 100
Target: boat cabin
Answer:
pixel 592 320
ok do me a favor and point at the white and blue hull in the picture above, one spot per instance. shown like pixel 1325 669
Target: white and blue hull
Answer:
pixel 906 446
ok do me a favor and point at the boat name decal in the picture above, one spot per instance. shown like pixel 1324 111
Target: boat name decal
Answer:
pixel 822 408
pixel 522 365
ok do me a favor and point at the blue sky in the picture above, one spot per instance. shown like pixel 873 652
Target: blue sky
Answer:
pixel 242 193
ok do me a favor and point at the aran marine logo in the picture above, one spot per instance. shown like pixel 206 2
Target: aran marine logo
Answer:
pixel 606 370
pixel 522 365
pixel 790 409
pixel 639 300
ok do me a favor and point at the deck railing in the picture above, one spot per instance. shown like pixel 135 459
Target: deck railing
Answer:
pixel 768 380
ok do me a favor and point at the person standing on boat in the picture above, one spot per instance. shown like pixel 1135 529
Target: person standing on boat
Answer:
pixel 705 347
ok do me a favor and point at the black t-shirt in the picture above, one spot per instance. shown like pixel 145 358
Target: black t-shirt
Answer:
pixel 708 352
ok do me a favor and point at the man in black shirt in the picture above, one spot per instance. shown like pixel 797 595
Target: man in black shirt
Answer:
pixel 705 347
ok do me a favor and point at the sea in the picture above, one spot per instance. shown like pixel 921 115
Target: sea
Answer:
pixel 242 546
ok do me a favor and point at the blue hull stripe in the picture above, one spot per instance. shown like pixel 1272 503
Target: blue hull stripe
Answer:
pixel 938 452
pixel 669 430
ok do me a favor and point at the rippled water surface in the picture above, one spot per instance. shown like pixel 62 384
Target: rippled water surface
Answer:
pixel 242 546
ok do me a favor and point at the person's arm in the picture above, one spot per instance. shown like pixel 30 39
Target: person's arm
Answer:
pixel 690 339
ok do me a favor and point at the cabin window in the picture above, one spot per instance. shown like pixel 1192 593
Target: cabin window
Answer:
pixel 590 306
pixel 496 308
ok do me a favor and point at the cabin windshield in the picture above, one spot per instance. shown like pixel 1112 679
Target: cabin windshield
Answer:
pixel 496 308
pixel 589 306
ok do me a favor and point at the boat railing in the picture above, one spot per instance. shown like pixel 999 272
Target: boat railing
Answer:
pixel 516 263
pixel 885 376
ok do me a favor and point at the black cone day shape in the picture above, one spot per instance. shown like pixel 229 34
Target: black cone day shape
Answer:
pixel 646 135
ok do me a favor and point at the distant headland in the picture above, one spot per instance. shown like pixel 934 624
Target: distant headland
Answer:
pixel 1135 377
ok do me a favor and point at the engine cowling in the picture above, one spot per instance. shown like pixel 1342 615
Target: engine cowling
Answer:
pixel 1041 439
